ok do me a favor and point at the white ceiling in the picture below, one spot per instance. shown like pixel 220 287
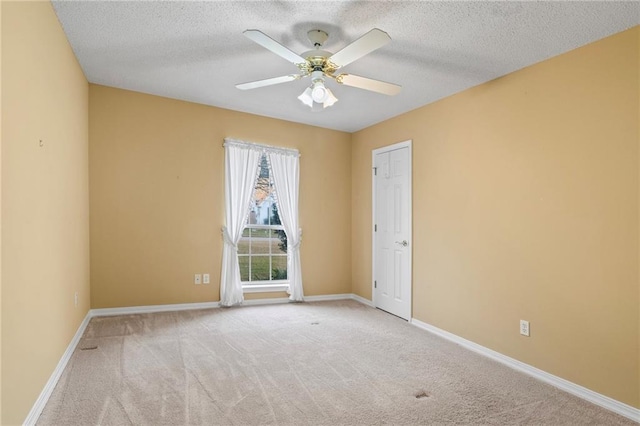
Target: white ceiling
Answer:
pixel 195 51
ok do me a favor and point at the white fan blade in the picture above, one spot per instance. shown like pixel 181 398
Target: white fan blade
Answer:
pixel 369 84
pixel 268 43
pixel 369 42
pixel 267 82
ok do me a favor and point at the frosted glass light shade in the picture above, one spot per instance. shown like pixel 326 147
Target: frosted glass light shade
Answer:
pixel 319 92
pixel 306 98
pixel 330 100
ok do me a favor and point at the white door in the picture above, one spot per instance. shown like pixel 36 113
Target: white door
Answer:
pixel 392 229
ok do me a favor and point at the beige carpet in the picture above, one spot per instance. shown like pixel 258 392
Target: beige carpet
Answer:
pixel 330 363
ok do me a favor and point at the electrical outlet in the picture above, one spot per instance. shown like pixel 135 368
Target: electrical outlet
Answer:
pixel 75 298
pixel 205 279
pixel 524 328
pixel 197 279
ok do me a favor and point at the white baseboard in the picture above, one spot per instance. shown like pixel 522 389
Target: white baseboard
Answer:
pixel 362 300
pixel 567 386
pixel 327 297
pixel 40 403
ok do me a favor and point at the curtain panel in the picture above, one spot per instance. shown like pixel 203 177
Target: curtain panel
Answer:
pixel 285 169
pixel 241 173
pixel 241 166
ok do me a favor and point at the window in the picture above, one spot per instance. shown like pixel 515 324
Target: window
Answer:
pixel 258 254
pixel 262 250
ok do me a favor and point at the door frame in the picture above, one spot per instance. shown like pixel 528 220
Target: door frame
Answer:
pixel 395 146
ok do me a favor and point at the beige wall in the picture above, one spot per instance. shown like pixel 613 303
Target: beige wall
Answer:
pixel 157 197
pixel 45 201
pixel 525 206
pixel 638 101
pixel 0 217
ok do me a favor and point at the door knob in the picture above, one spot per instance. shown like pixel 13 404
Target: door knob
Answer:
pixel 403 243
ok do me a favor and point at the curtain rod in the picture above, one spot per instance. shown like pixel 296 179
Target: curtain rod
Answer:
pixel 260 146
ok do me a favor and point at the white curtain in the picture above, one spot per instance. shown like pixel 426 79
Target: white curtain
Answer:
pixel 285 171
pixel 241 173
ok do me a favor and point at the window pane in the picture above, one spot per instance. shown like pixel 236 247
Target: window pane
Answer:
pixel 259 241
pixel 260 268
pixel 264 233
pixel 263 207
pixel 278 242
pixel 263 196
pixel 275 216
pixel 243 244
pixel 264 167
pixel 244 267
pixel 262 199
pixel 253 215
pixel 279 268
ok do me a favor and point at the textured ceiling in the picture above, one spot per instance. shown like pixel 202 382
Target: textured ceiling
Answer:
pixel 195 51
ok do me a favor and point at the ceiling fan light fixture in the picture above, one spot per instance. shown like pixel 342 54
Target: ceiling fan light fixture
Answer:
pixel 306 98
pixel 328 98
pixel 331 99
pixel 319 92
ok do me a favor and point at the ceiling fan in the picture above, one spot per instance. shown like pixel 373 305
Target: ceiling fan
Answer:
pixel 320 64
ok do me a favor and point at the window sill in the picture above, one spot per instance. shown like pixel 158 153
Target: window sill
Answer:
pixel 265 288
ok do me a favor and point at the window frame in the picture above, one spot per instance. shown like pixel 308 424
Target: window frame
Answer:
pixel 260 286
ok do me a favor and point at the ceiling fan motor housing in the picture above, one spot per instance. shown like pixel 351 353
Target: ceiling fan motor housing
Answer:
pixel 317 37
